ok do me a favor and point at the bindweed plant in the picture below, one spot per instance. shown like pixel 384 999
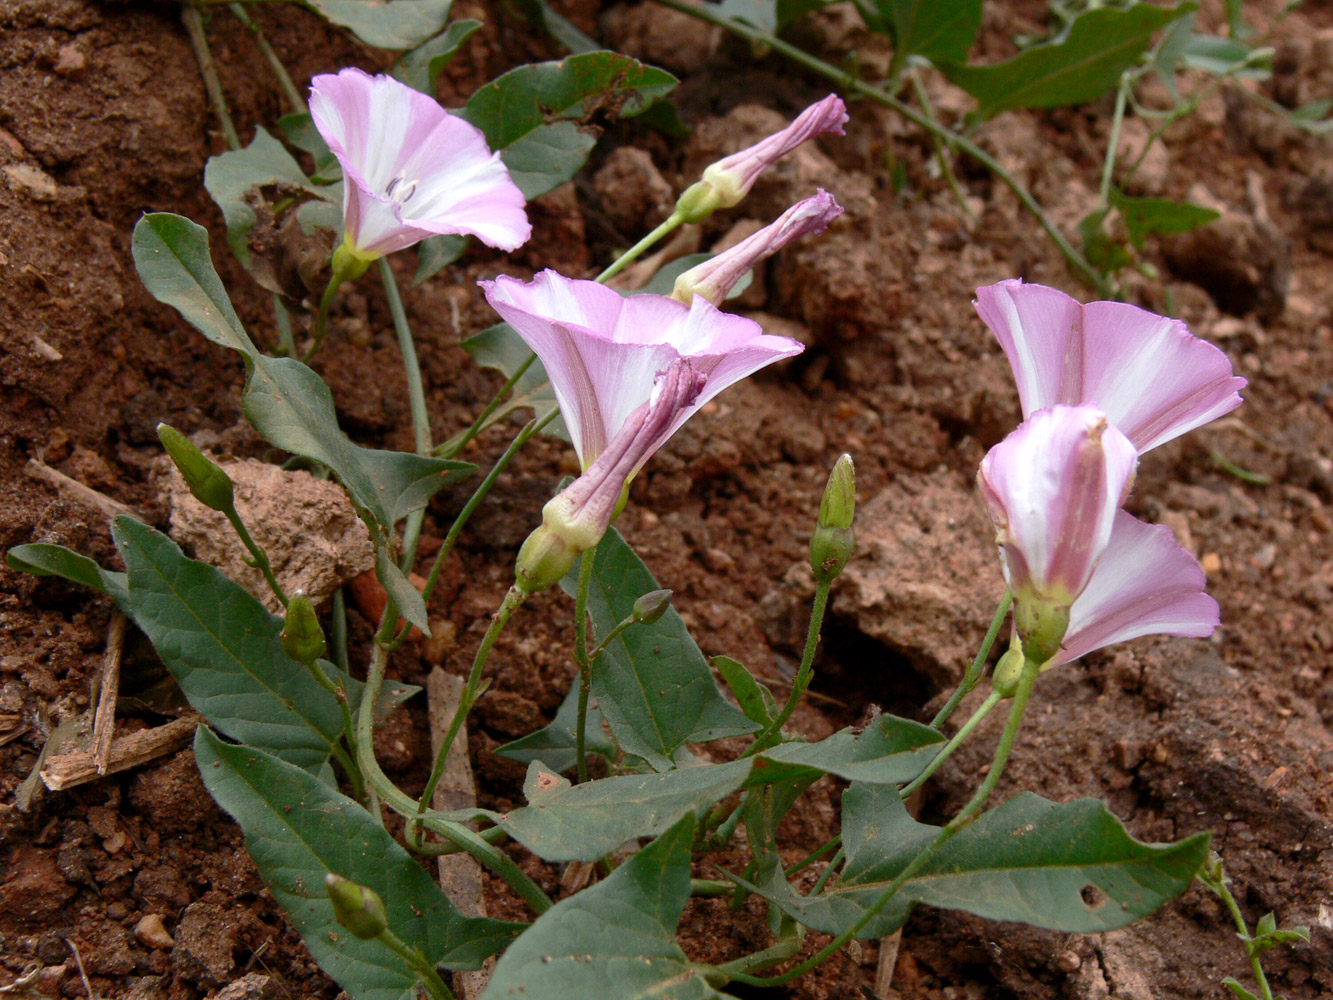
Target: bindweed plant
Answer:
pixel 624 778
pixel 1095 49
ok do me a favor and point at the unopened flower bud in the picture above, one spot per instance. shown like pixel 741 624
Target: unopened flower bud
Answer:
pixel 205 478
pixel 651 606
pixel 832 542
pixel 544 558
pixel 1007 672
pixel 302 637
pixel 698 201
pixel 359 909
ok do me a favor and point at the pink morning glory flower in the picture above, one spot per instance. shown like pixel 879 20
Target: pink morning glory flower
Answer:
pixel 411 169
pixel 1144 584
pixel 715 277
pixel 729 180
pixel 1152 378
pixel 1052 487
pixel 603 351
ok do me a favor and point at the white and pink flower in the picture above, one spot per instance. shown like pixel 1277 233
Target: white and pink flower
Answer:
pixel 410 169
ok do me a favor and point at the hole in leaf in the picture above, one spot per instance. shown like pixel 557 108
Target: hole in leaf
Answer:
pixel 1093 898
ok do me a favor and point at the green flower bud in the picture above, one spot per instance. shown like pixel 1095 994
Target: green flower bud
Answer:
pixel 651 606
pixel 698 201
pixel 302 637
pixel 357 908
pixel 545 557
pixel 832 542
pixel 1007 672
pixel 205 478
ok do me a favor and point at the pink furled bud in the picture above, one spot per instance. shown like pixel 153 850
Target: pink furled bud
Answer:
pixel 576 519
pixel 1052 487
pixel 1144 584
pixel 603 352
pixel 729 180
pixel 715 277
pixel 1152 378
pixel 411 169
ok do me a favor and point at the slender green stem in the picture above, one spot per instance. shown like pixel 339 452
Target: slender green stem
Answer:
pixel 772 955
pixel 320 326
pixel 630 255
pixel 978 664
pixel 456 444
pixel 815 855
pixel 581 658
pixel 943 148
pixel 828 871
pixel 289 90
pixel 283 319
pixel 1076 260
pixel 968 813
pixel 1219 888
pixel 430 979
pixel 982 711
pixel 257 554
pixel 379 784
pixel 194 27
pixel 468 698
pixel 1113 142
pixel 709 887
pixel 773 732
pixel 339 622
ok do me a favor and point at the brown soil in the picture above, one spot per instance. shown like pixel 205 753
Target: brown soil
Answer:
pixel 103 116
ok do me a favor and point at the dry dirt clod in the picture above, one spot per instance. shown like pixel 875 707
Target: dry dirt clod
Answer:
pixel 205 939
pixel 254 986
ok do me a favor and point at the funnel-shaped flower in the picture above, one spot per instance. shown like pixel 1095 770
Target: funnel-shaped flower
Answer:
pixel 603 351
pixel 411 169
pixel 1152 378
pixel 1144 584
pixel 1052 487
pixel 727 181
pixel 715 277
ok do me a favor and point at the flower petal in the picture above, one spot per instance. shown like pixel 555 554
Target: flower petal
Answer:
pixel 1145 584
pixel 1153 378
pixel 736 174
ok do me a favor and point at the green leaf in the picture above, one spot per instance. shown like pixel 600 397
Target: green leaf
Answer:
pixel 419 67
pixel 1080 66
pixel 44 559
pixel 614 941
pixel 755 699
pixel 554 744
pixel 652 682
pixel 299 128
pixel 435 253
pixel 936 29
pixel 297 830
pixel 406 598
pixel 1146 217
pixel 1065 866
pixel 225 650
pixel 288 403
pixel 890 751
pixel 538 115
pixel 564 822
pixel 1240 991
pixel 1105 254
pixel 542 14
pixel 395 24
pixel 231 176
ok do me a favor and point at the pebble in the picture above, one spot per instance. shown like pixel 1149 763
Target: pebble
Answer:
pixel 70 60
pixel 32 181
pixel 152 932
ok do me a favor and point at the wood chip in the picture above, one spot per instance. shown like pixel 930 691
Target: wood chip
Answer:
pixel 76 767
pixel 104 722
pixel 460 875
pixel 75 490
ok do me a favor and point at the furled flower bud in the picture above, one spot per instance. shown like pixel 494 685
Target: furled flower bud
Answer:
pixel 302 636
pixel 1008 670
pixel 715 277
pixel 205 478
pixel 359 909
pixel 651 606
pixel 729 180
pixel 832 542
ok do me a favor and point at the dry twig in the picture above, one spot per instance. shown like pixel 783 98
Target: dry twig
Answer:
pixel 104 721
pixel 76 767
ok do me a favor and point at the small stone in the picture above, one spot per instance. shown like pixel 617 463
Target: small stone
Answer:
pixel 70 60
pixel 253 986
pixel 1211 563
pixel 1069 961
pixel 152 932
pixel 32 181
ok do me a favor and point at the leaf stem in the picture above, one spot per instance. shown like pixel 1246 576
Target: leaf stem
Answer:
pixel 983 710
pixel 1077 261
pixel 629 256
pixel 978 665
pixel 257 554
pixel 430 979
pixel 773 732
pixel 943 148
pixel 968 813
pixel 1113 142
pixel 194 27
pixel 582 659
